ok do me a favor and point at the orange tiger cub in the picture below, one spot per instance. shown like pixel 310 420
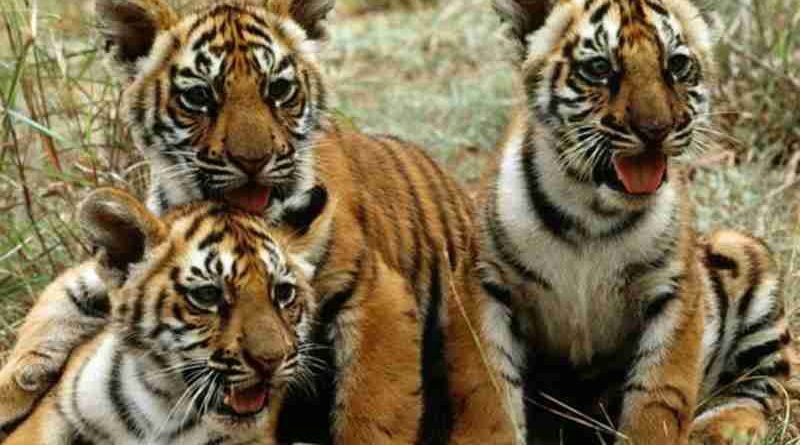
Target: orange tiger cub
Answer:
pixel 229 103
pixel 211 315
pixel 617 324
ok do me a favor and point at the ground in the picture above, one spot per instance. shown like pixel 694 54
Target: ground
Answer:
pixel 434 75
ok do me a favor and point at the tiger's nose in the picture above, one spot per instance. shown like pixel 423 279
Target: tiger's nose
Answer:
pixel 249 165
pixel 652 132
pixel 226 362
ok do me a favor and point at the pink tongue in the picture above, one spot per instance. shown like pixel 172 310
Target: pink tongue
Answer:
pixel 248 401
pixel 252 198
pixel 642 174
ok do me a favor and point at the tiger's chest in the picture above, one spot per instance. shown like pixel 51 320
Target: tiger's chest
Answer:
pixel 585 310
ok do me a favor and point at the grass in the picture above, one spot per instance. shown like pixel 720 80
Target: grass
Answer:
pixel 436 76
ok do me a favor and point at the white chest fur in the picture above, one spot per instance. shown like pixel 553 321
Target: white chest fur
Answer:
pixel 88 401
pixel 588 308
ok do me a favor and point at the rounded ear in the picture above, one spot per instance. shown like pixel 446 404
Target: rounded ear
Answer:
pixel 129 28
pixel 309 14
pixel 524 17
pixel 119 228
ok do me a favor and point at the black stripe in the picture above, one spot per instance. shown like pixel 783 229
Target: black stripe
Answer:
pixel 600 13
pixel 659 304
pixel 118 400
pixel 395 218
pixel 558 223
pixel 721 262
pixel 321 262
pixel 434 180
pixel 211 238
pixel 141 377
pixel 504 245
pixel 416 216
pixel 657 8
pixel 499 293
pixel 752 357
pixel 83 423
pixel 302 218
pixel 630 223
pixel 723 303
pixel 437 418
pixel 89 305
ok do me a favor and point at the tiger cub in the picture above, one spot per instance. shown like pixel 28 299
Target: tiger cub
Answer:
pixel 211 312
pixel 229 103
pixel 613 320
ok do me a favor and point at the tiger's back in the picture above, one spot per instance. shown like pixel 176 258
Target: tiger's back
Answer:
pixel 406 233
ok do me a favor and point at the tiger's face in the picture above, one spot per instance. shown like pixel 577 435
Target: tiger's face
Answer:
pixel 224 102
pixel 214 298
pixel 619 86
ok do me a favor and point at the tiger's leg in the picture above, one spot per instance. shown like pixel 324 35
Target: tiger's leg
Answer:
pixel 486 364
pixel 377 343
pixel 748 350
pixel 661 391
pixel 69 310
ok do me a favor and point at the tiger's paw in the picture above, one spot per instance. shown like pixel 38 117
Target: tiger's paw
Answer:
pixel 23 380
pixel 741 425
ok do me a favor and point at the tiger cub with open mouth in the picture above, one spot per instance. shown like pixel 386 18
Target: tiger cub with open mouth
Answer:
pixel 207 330
pixel 609 309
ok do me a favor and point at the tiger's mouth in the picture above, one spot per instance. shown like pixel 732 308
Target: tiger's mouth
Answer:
pixel 640 175
pixel 242 406
pixel 252 197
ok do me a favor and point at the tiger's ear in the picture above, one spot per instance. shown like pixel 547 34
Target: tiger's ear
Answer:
pixel 309 14
pixel 129 28
pixel 119 228
pixel 524 17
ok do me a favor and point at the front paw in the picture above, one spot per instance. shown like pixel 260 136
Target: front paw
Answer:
pixel 23 380
pixel 731 429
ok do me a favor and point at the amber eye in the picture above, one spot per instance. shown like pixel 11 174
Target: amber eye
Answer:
pixel 197 98
pixel 281 90
pixel 597 69
pixel 284 294
pixel 206 298
pixel 679 65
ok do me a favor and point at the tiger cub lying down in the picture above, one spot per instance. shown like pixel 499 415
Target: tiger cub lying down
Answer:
pixel 206 334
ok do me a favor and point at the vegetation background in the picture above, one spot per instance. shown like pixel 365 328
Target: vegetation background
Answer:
pixel 431 72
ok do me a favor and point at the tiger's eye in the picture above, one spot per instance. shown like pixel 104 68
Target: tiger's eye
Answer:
pixel 197 98
pixel 598 68
pixel 206 298
pixel 281 90
pixel 679 65
pixel 284 294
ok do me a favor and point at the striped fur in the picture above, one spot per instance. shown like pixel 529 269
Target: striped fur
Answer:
pixel 215 306
pixel 400 309
pixel 606 301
